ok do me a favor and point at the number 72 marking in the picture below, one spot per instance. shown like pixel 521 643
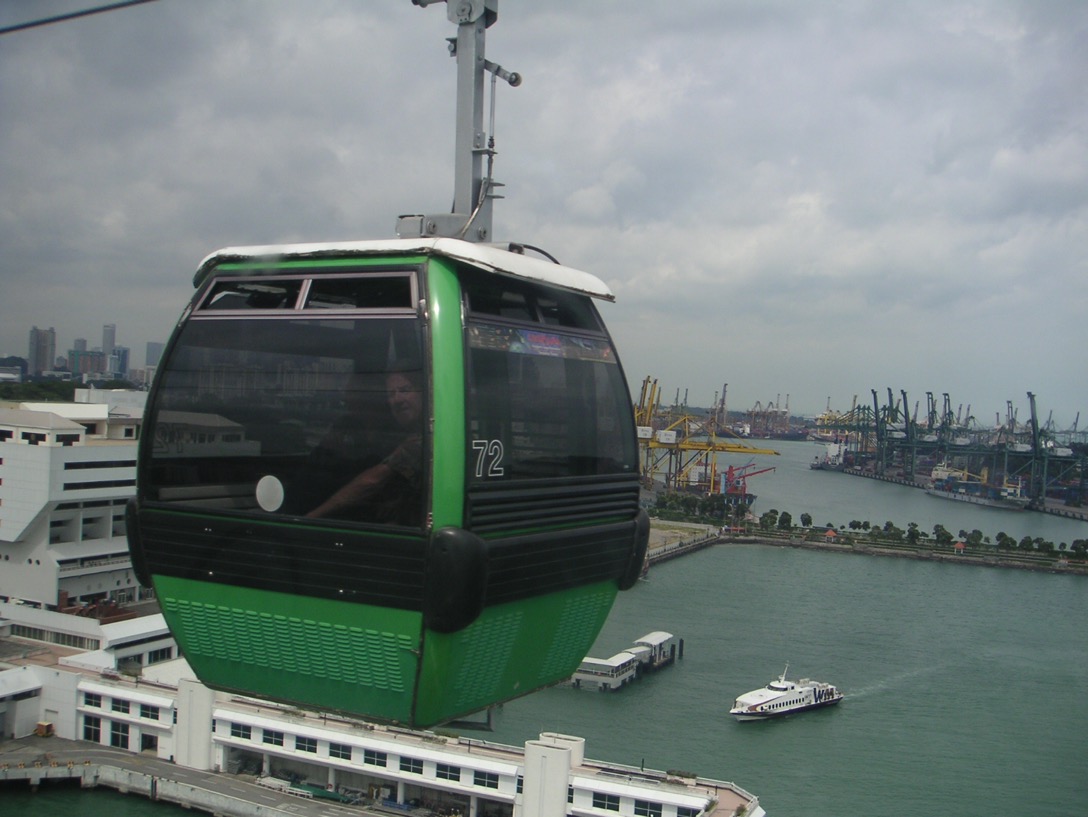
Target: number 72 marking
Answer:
pixel 488 457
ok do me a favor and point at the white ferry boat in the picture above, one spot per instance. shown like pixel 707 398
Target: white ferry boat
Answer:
pixel 781 697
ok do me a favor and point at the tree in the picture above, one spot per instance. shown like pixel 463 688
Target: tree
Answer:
pixel 892 533
pixel 942 535
pixel 806 520
pixel 46 391
pixel 768 520
pixel 117 384
pixel 785 521
pixel 913 534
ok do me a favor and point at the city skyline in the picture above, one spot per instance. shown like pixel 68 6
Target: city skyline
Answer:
pixel 80 345
pixel 685 392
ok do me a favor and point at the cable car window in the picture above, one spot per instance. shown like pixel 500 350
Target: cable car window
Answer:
pixel 545 404
pixel 361 292
pixel 243 294
pixel 515 300
pixel 286 415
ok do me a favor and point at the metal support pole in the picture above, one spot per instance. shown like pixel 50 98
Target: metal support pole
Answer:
pixel 470 142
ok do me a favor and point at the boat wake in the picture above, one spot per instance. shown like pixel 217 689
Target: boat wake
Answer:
pixel 891 683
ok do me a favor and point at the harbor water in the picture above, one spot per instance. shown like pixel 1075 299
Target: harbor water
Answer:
pixel 838 498
pixel 965 685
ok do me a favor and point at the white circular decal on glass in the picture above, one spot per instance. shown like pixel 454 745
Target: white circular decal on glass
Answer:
pixel 269 493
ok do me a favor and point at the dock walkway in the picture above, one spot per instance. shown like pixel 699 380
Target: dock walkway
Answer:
pixel 673 539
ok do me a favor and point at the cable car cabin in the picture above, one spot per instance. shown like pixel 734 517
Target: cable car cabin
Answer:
pixel 396 479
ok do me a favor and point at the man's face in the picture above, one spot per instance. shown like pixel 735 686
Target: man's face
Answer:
pixel 405 400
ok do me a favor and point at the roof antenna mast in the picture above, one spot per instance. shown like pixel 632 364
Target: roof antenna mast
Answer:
pixel 473 192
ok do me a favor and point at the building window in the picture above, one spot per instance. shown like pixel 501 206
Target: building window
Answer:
pixel 488 780
pixel 443 771
pixel 118 705
pixel 149 712
pixel 119 735
pixel 92 699
pixel 520 785
pixel 611 802
pixel 412 765
pixel 687 811
pixel 272 737
pixel 92 728
pixel 49 636
pixel 305 745
pixel 240 730
pixel 644 808
pixel 373 758
pixel 340 750
pixel 570 794
pixel 155 656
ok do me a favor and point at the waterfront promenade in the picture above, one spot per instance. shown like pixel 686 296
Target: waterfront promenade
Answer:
pixel 670 540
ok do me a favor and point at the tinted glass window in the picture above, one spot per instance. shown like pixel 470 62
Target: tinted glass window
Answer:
pixel 515 300
pixel 264 294
pixel 291 415
pixel 545 404
pixel 370 292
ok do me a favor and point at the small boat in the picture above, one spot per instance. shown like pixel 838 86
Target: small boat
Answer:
pixel 781 697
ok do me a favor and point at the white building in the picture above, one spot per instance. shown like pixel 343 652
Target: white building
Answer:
pixel 66 472
pixel 163 711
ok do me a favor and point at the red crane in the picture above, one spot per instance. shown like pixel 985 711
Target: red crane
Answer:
pixel 735 478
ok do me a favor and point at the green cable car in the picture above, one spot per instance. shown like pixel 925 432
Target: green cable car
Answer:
pixel 476 562
pixel 396 479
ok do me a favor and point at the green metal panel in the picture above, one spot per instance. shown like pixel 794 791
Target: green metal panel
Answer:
pixel 510 650
pixel 290 265
pixel 448 394
pixel 298 649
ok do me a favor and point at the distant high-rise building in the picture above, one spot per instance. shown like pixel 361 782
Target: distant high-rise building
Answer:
pixel 80 344
pixel 154 352
pixel 81 363
pixel 118 362
pixel 42 351
pixel 109 338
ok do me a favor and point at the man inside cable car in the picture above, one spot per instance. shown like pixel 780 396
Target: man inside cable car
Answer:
pixel 390 491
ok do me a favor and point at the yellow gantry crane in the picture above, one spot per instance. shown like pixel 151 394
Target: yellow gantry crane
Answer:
pixel 679 448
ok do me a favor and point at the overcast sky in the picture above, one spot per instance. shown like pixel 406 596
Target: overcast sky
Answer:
pixel 812 199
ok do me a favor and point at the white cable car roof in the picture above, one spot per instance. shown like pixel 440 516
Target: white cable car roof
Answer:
pixel 483 256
